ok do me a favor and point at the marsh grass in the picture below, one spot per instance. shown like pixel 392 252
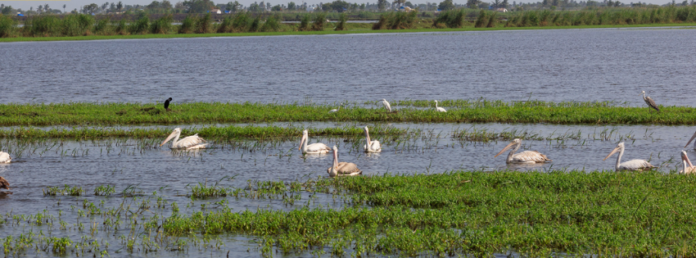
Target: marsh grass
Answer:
pixel 396 21
pixel 341 25
pixel 451 18
pixel 319 22
pixel 187 25
pixel 464 111
pixel 66 190
pixel 163 25
pixel 7 26
pixel 202 190
pixel 475 213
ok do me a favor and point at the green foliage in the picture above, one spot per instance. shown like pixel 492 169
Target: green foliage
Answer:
pixel 204 24
pixel 140 26
pixel 396 21
pixel 225 25
pixel 66 190
pixel 446 5
pixel 241 23
pixel 482 19
pixel 271 24
pixel 103 27
pixel 43 26
pixel 163 25
pixel 255 24
pixel 122 27
pixel 187 25
pixel 7 26
pixel 341 25
pixel 319 21
pixel 452 18
pixel 304 23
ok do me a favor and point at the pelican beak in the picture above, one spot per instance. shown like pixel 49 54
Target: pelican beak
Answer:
pixel 506 148
pixel 301 142
pixel 684 157
pixel 612 153
pixel 692 138
pixel 171 136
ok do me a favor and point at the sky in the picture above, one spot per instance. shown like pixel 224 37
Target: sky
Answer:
pixel 72 4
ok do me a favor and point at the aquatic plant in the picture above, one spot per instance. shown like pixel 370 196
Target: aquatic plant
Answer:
pixel 187 25
pixel 140 26
pixel 66 190
pixel 451 18
pixel 396 21
pixel 271 24
pixel 319 21
pixel 341 25
pixel 163 25
pixel 304 23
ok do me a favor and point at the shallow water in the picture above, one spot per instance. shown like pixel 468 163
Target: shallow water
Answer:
pixel 550 65
pixel 155 172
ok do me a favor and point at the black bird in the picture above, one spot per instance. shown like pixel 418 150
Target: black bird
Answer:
pixel 166 104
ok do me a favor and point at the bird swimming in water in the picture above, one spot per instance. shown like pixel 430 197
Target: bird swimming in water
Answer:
pixel 5 157
pixel 166 104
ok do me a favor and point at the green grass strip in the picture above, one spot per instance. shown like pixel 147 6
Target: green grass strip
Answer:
pixel 603 213
pixel 477 112
pixel 331 32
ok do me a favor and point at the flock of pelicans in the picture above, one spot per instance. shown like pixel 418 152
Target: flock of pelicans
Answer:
pixel 372 146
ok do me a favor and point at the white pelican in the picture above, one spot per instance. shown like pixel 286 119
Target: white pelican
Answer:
pixel 335 109
pixel 633 165
pixel 692 138
pixel 650 102
pixel 371 146
pixel 314 148
pixel 687 167
pixel 5 157
pixel 439 109
pixel 386 105
pixel 190 143
pixel 4 184
pixel 525 157
pixel 342 168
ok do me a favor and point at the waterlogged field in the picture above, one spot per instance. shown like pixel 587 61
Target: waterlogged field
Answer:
pixel 259 196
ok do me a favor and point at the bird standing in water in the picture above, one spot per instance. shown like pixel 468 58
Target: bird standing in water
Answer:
pixel 166 104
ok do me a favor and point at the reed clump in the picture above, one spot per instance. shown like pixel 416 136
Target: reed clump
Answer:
pixel 451 19
pixel 304 23
pixel 7 26
pixel 603 16
pixel 163 25
pixel 396 21
pixel 341 25
pixel 319 22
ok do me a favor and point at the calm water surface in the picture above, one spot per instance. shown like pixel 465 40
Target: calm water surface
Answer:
pixel 552 65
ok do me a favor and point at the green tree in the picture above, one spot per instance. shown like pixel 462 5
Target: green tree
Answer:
pixel 473 4
pixel 276 8
pixel 199 6
pixel 292 6
pixel 446 5
pixel 232 6
pixel 504 4
pixel 381 4
pixel 337 6
pixel 119 6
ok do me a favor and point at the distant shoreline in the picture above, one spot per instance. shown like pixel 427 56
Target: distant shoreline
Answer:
pixel 326 32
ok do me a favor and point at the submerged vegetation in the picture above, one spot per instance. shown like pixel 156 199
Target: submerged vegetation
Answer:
pixel 454 213
pixel 95 114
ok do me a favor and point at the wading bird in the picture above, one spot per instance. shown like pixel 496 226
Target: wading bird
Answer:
pixel 335 109
pixel 633 165
pixel 439 109
pixel 5 157
pixel 687 167
pixel 371 146
pixel 189 143
pixel 386 105
pixel 166 104
pixel 342 168
pixel 4 184
pixel 650 102
pixel 692 138
pixel 525 157
pixel 314 148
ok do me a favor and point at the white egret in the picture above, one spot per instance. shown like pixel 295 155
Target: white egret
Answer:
pixel 342 168
pixel 386 105
pixel 633 165
pixel 315 148
pixel 525 157
pixel 439 109
pixel 189 143
pixel 371 146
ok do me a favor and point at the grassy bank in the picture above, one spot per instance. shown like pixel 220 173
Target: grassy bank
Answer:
pixel 351 30
pixel 536 214
pixel 478 111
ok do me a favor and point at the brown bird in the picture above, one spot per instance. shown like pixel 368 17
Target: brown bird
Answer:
pixel 4 184
pixel 650 102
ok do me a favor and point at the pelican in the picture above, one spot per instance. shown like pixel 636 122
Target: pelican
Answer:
pixel 335 109
pixel 314 148
pixel 386 105
pixel 4 184
pixel 5 157
pixel 371 146
pixel 633 165
pixel 687 167
pixel 650 102
pixel 439 109
pixel 342 168
pixel 525 157
pixel 190 143
pixel 687 144
pixel 166 104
